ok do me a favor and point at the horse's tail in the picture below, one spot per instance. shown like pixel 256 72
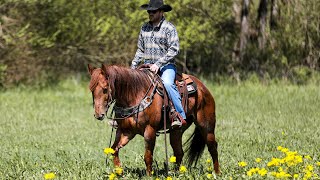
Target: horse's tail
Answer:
pixel 195 147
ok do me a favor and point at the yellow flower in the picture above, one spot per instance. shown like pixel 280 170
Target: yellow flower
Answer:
pixel 309 168
pixel 262 172
pixel 49 176
pixel 281 174
pixel 183 169
pixel 295 176
pixel 274 162
pixel 279 148
pixel 209 176
pixel 169 178
pixel 208 160
pixel 173 159
pixel 252 171
pixel 242 164
pixel 284 150
pixel 308 157
pixel 108 151
pixel 307 175
pixel 249 173
pixel 118 170
pixel 112 176
pixel 258 160
pixel 318 163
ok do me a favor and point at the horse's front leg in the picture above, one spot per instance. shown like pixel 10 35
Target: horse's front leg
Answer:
pixel 150 140
pixel 122 138
pixel 176 144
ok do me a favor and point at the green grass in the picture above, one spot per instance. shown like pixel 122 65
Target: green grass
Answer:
pixel 53 130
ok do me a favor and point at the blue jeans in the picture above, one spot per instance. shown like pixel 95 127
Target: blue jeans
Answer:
pixel 168 74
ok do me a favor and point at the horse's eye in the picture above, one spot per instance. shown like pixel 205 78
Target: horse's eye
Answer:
pixel 105 91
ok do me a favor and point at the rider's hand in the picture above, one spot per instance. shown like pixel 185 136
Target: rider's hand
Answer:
pixel 154 68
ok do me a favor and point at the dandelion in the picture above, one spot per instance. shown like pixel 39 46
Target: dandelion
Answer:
pixel 169 178
pixel 183 169
pixel 279 148
pixel 209 168
pixel 173 159
pixel 295 176
pixel 308 157
pixel 209 176
pixel 307 175
pixel 252 171
pixel 112 176
pixel 118 170
pixel 108 151
pixel 49 176
pixel 258 160
pixel 274 162
pixel 208 161
pixel 242 164
pixel 262 172
pixel 318 163
pixel 284 150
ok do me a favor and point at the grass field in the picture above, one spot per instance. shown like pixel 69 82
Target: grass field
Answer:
pixel 53 130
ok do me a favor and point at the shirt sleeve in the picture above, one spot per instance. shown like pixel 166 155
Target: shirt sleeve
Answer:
pixel 173 48
pixel 139 53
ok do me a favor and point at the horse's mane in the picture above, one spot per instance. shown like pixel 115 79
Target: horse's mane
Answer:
pixel 94 79
pixel 126 83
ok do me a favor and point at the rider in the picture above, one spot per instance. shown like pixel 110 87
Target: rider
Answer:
pixel 158 44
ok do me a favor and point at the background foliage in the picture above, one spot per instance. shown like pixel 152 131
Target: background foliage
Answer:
pixel 44 40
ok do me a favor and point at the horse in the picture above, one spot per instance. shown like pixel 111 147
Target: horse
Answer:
pixel 128 87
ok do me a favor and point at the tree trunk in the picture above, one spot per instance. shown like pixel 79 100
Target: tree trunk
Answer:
pixel 244 26
pixel 262 18
pixel 274 14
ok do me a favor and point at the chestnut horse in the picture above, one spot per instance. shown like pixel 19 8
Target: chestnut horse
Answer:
pixel 128 87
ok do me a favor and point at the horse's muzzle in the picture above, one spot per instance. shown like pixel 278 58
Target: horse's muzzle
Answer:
pixel 100 117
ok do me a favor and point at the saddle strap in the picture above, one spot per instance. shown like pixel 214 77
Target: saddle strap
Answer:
pixel 182 87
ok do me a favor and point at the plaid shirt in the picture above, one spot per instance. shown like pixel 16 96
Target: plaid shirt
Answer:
pixel 157 45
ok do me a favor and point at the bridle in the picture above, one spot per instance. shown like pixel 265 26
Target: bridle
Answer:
pixel 110 98
pixel 125 112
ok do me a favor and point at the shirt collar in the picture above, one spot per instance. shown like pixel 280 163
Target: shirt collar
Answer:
pixel 160 23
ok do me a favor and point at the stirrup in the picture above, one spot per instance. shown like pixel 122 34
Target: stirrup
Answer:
pixel 176 123
pixel 113 123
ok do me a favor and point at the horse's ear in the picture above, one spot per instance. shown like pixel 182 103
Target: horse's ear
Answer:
pixel 90 69
pixel 104 69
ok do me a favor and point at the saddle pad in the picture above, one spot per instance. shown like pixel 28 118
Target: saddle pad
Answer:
pixel 191 85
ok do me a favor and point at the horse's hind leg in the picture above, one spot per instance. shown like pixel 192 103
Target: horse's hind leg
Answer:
pixel 213 150
pixel 206 124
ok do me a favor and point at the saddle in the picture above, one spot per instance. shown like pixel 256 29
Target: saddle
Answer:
pixel 186 86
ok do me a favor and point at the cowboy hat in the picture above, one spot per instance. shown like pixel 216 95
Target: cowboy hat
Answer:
pixel 155 5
